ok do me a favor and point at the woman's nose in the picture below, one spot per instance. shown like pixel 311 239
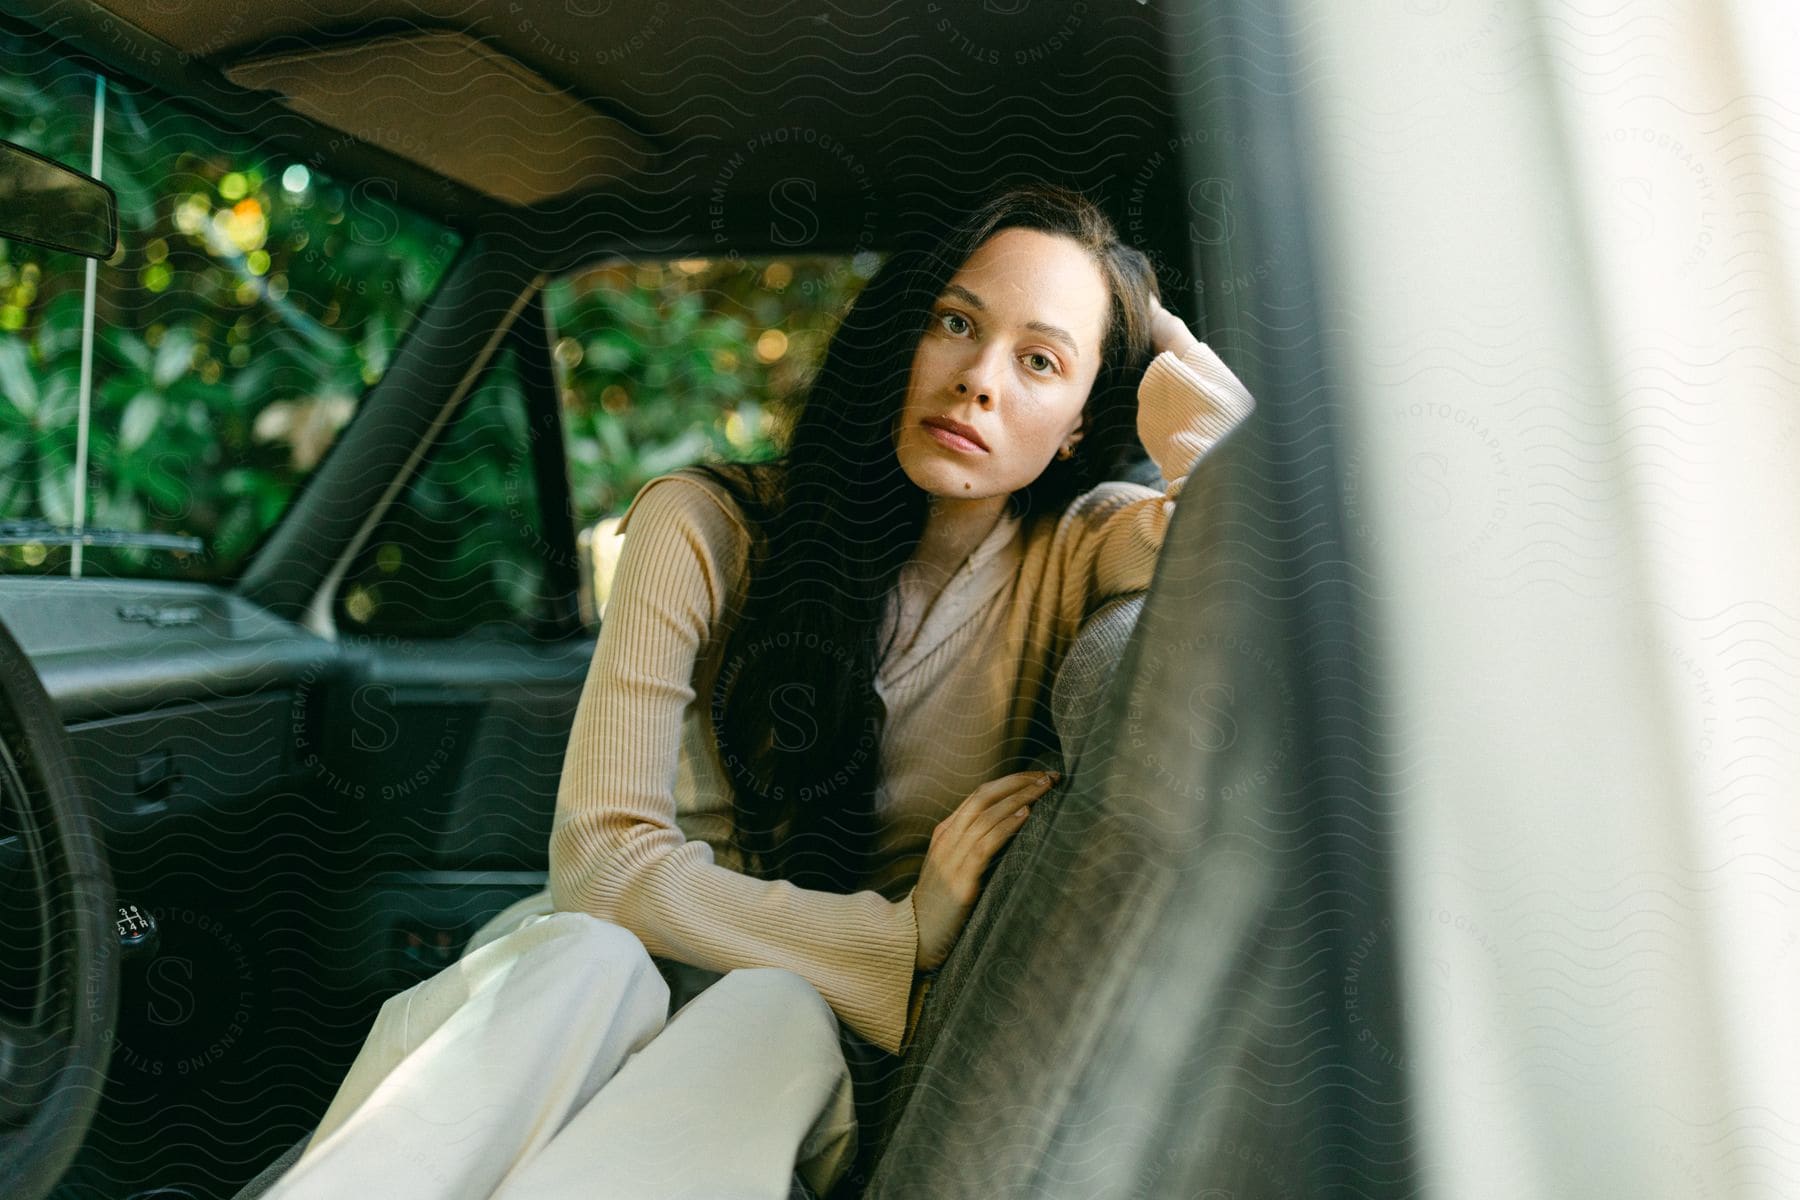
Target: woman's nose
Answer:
pixel 979 378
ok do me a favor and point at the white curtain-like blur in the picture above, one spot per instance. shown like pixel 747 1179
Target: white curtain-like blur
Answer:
pixel 1560 248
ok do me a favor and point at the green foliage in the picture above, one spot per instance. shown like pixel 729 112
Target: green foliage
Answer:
pixel 464 548
pixel 253 302
pixel 658 366
pixel 663 365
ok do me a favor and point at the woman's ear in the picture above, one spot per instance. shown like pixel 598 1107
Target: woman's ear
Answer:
pixel 1070 441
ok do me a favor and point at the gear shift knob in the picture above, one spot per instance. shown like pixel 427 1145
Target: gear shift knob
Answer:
pixel 138 935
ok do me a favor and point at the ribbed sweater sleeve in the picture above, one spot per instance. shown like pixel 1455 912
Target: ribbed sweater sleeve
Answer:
pixel 615 848
pixel 1108 540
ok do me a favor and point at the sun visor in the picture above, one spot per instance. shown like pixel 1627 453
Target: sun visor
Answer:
pixel 454 106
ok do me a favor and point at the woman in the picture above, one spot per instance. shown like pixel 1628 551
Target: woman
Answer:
pixel 799 745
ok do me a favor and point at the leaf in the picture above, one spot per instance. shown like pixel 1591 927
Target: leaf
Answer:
pixel 236 533
pixel 612 436
pixel 12 450
pixel 584 450
pixel 679 453
pixel 174 357
pixel 128 347
pixel 166 489
pixel 15 376
pixel 377 343
pixel 56 489
pixel 59 329
pixel 142 414
pixel 59 396
pixel 612 351
pixel 253 381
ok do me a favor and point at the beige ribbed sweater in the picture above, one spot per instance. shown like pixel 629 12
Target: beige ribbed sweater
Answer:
pixel 642 828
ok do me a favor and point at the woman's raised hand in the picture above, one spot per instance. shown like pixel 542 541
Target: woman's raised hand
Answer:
pixel 962 845
pixel 1168 331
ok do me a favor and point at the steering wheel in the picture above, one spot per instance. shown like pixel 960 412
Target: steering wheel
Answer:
pixel 59 989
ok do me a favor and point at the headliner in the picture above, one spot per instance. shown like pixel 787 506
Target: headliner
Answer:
pixel 769 127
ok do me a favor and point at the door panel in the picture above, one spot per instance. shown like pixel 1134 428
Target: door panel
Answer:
pixel 312 825
pixel 444 759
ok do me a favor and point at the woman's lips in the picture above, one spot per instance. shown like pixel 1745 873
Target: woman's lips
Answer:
pixel 952 439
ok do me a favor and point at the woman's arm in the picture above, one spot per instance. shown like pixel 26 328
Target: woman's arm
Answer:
pixel 616 850
pixel 1108 541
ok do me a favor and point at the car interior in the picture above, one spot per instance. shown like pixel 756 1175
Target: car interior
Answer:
pixel 400 303
pixel 299 780
pixel 204 720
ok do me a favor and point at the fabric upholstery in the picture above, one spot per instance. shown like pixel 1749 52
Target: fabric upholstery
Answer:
pixel 1157 1005
pixel 1076 699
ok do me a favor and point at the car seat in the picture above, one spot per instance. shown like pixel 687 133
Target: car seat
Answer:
pixel 1076 696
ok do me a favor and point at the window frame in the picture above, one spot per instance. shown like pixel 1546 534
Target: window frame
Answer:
pixel 535 336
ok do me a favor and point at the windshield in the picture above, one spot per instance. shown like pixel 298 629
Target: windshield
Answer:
pixel 186 388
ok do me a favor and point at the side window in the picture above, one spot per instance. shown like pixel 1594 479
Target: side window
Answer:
pixel 462 548
pixel 252 302
pixel 666 364
pixel 657 366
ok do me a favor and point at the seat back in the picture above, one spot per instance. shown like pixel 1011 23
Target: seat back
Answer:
pixel 951 1012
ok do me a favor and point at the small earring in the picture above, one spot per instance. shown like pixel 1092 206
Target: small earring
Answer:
pixel 1066 452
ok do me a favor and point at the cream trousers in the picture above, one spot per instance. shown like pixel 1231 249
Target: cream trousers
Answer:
pixel 544 1064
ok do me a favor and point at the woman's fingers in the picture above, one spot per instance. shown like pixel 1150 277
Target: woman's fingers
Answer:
pixel 1004 788
pixel 965 842
pixel 962 846
pixel 980 801
pixel 973 817
pixel 981 839
pixel 1168 331
pixel 1001 833
pixel 997 814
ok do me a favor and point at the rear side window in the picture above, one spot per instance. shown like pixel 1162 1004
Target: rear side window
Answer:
pixel 254 299
pixel 666 364
pixel 462 549
pixel 657 365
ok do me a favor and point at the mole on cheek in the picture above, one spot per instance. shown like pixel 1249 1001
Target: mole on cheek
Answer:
pixel 965 487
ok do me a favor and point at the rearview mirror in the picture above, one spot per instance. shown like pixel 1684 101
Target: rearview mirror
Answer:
pixel 44 202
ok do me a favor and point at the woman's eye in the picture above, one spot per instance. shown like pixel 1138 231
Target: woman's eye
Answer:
pixel 962 322
pixel 1040 362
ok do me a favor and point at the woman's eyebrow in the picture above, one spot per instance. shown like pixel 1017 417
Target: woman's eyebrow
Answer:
pixel 1054 332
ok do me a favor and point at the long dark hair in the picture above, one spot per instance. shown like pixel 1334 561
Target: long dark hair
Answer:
pixel 794 709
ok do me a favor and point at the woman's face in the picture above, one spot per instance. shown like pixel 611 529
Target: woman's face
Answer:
pixel 1009 356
